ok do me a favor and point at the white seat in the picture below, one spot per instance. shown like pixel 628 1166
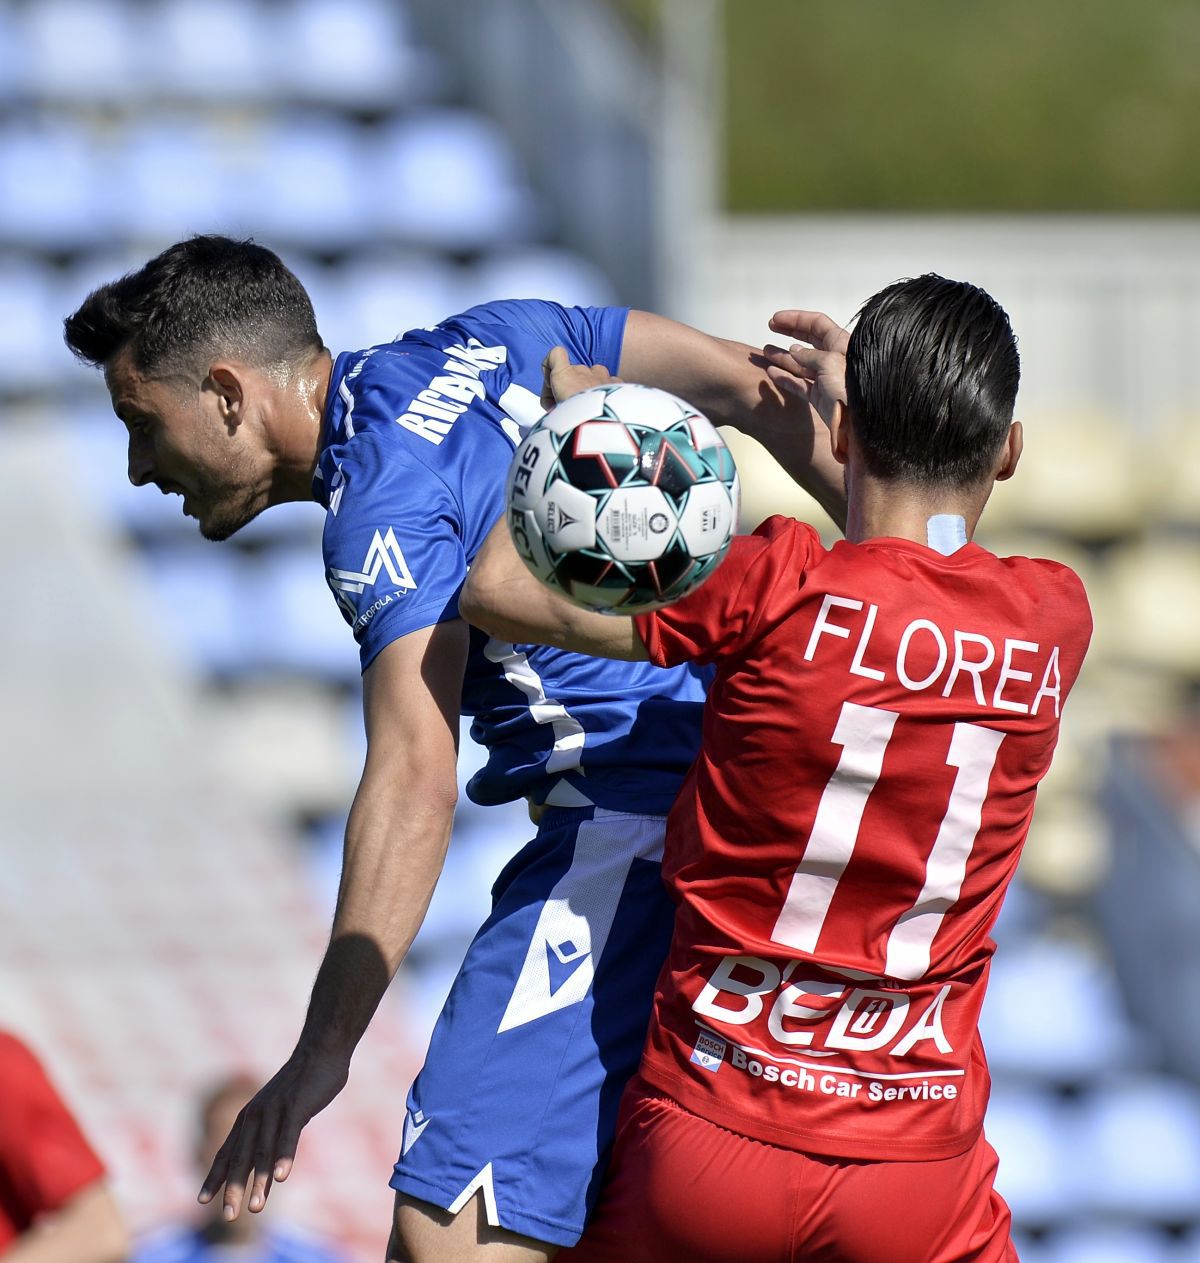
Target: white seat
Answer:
pixel 50 174
pixel 81 49
pixel 1138 1150
pixel 295 626
pixel 357 54
pixel 174 179
pixel 17 76
pixel 1156 603
pixel 450 179
pixel 197 598
pixel 209 49
pixel 383 296
pixel 1053 1013
pixel 1026 1130
pixel 1109 1243
pixel 541 272
pixel 313 184
pixel 30 329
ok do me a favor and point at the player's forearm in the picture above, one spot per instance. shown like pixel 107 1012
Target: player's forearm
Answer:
pixel 728 382
pixel 505 600
pixel 396 840
pixel 88 1229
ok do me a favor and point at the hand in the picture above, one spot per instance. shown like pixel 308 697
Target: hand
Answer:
pixel 561 379
pixel 816 372
pixel 263 1141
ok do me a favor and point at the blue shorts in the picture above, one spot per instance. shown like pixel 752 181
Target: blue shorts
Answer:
pixel 543 1027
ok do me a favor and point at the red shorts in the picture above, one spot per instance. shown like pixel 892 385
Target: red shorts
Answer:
pixel 683 1189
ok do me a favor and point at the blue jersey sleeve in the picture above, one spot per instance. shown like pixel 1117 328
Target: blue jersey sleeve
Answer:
pixel 393 545
pixel 591 335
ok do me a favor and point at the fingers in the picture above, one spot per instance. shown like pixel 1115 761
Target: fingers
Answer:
pixel 561 379
pixel 813 327
pixel 804 361
pixel 555 362
pixel 789 383
pixel 246 1162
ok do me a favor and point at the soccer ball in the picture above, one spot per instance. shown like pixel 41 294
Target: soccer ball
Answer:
pixel 623 498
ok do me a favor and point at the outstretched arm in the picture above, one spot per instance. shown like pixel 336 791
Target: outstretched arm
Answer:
pixel 396 841
pixel 733 384
pixel 503 598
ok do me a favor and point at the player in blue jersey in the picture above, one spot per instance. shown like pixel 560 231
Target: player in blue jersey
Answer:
pixel 213 361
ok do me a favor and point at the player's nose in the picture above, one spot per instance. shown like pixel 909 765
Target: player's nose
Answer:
pixel 141 467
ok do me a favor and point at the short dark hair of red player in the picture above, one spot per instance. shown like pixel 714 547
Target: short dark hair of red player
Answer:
pixel 204 296
pixel 931 381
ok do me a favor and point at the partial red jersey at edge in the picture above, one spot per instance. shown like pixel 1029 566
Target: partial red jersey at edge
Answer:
pixel 881 717
pixel 44 1158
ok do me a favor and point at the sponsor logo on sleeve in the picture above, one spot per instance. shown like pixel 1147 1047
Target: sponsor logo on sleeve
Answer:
pixel 384 558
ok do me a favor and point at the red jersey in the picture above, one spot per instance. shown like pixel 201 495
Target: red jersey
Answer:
pixel 873 740
pixel 44 1158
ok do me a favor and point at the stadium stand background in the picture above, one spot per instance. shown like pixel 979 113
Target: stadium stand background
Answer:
pixel 181 732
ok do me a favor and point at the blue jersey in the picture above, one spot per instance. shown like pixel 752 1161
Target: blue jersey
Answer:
pixel 418 437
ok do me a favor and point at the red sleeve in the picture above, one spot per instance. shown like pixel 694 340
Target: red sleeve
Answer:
pixel 719 619
pixel 44 1158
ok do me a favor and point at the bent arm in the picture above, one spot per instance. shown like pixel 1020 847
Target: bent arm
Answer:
pixel 87 1229
pixel 503 598
pixel 728 381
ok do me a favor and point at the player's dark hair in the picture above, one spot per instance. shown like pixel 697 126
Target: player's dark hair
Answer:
pixel 931 381
pixel 207 295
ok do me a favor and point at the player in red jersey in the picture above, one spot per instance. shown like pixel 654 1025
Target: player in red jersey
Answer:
pixel 55 1204
pixel 813 1085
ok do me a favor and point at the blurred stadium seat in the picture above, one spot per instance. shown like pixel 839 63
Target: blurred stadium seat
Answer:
pixel 81 50
pixel 1079 477
pixel 212 50
pixel 307 186
pixel 1053 1014
pixel 1137 1150
pixel 357 54
pixel 1027 1130
pixel 449 179
pixel 290 623
pixel 539 272
pixel 1107 1244
pixel 1156 603
pixel 28 318
pixel 50 177
pixel 387 293
pixel 173 174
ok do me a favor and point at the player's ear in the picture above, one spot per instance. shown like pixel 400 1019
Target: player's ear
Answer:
pixel 1010 453
pixel 227 384
pixel 839 432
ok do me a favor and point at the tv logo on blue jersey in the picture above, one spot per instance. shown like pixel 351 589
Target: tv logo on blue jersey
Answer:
pixel 384 556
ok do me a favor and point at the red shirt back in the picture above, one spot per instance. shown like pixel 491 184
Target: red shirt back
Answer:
pixel 44 1158
pixel 881 717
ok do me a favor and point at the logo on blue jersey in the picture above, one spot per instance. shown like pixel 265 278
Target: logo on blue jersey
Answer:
pixel 415 1123
pixel 563 960
pixel 383 557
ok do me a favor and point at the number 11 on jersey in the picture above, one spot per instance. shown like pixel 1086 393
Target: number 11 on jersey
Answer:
pixel 864 732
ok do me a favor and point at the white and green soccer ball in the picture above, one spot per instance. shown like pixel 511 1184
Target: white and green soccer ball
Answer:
pixel 623 498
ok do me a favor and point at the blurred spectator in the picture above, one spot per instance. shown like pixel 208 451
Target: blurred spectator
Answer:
pixel 55 1205
pixel 210 1238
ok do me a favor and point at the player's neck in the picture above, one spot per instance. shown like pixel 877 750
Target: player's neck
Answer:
pixel 297 432
pixel 937 518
